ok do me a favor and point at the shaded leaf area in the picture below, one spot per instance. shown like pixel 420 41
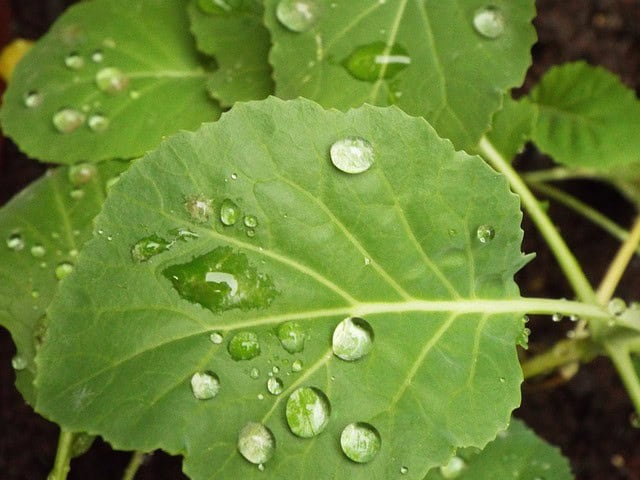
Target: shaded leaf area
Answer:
pixel 240 43
pixel 43 229
pixel 109 80
pixel 586 117
pixel 294 274
pixel 512 125
pixel 516 453
pixel 427 57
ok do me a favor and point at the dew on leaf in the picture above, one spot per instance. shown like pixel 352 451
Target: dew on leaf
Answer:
pixel 352 339
pixel 485 234
pixel 63 270
pixel 98 123
pixel 223 278
pixel 38 251
pixel 229 212
pixel 199 208
pixel 74 61
pixel 76 193
pixel 111 80
pixel 296 366
pixel 148 247
pixel 251 233
pixel 376 61
pixel 275 386
pixel 256 443
pixel 275 369
pixel 404 470
pixel 617 306
pixel 183 234
pixel 216 338
pixel 250 221
pixel 244 346
pixel 67 120
pixel 557 317
pixel 214 6
pixel 205 385
pixel 15 242
pixel 360 442
pixel 97 56
pixel 32 99
pixel 454 468
pixel 298 15
pixel 291 336
pixel 19 362
pixel 489 22
pixel 254 373
pixel 82 173
pixel 352 155
pixel 307 411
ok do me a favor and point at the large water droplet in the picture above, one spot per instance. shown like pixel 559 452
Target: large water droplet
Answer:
pixel 352 155
pixel 74 61
pixel 82 173
pixel 489 22
pixel 205 385
pixel 15 242
pixel 298 15
pixel 308 410
pixel 291 336
pixel 63 270
pixel 98 123
pixel 256 443
pixel 485 233
pixel 111 80
pixel 32 99
pixel 38 251
pixel 199 208
pixel 148 247
pixel 617 306
pixel 376 61
pixel 454 468
pixel 275 386
pixel 352 339
pixel 215 6
pixel 19 362
pixel 244 346
pixel 360 442
pixel 68 120
pixel 229 212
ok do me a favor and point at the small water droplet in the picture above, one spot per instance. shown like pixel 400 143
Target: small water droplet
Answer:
pixel 275 386
pixel 298 15
pixel 32 99
pixel 98 123
pixel 229 212
pixel 377 61
pixel 15 242
pixel 275 369
pixel 82 173
pixel 352 339
pixel 261 467
pixel 617 306
pixel 67 120
pixel 38 251
pixel 292 337
pixel 360 442
pixel 19 362
pixel 485 234
pixel 214 6
pixel 523 338
pixel 250 221
pixel 35 294
pixel 454 468
pixel 557 317
pixel 352 155
pixel 148 247
pixel 489 22
pixel 63 270
pixel 404 470
pixel 111 80
pixel 76 193
pixel 502 380
pixel 296 366
pixel 256 443
pixel 74 61
pixel 205 385
pixel 574 318
pixel 308 410
pixel 199 208
pixel 97 56
pixel 254 373
pixel 216 338
pixel 367 261
pixel 244 346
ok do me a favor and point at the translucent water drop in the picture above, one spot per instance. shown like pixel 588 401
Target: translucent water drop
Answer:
pixel 574 318
pixel 214 6
pixel 360 442
pixel 15 242
pixel 352 155
pixel 256 443
pixel 229 212
pixel 275 386
pixel 216 338
pixel 82 173
pixel 250 221
pixel 38 251
pixel 244 346
pixel 298 15
pixel 205 385
pixel 404 470
pixel 183 234
pixel 557 317
pixel 19 362
pixel 296 366
pixel 485 233
pixel 352 339
pixel 292 337
pixel 523 338
pixel 97 56
pixel 377 61
pixel 32 99
pixel 254 373
pixel 489 22
pixel 63 270
pixel 308 411
pixel 275 369
pixel 617 306
pixel 98 123
pixel 148 247
pixel 111 80
pixel 68 120
pixel 251 233
pixel 199 208
pixel 454 468
pixel 74 61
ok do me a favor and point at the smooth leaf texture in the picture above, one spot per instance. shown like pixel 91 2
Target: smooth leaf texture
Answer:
pixel 512 125
pixel 517 453
pixel 240 43
pixel 587 117
pixel 455 77
pixel 162 90
pixel 42 227
pixel 396 245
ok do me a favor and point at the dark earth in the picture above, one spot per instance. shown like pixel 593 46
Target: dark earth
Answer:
pixel 587 417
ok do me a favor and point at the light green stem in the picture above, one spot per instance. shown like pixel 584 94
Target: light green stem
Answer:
pixel 619 354
pixel 134 465
pixel 564 352
pixel 557 174
pixel 62 462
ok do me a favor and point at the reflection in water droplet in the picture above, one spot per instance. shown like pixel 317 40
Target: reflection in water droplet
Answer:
pixel 352 339
pixel 291 336
pixel 216 338
pixel 148 247
pixel 275 386
pixel 296 366
pixel 453 469
pixel 82 173
pixel 256 443
pixel 485 234
pixel 229 212
pixel 215 6
pixel 38 251
pixel 360 442
pixel 308 410
pixel 19 362
pixel 352 155
pixel 298 15
pixel 617 306
pixel 244 346
pixel 68 120
pixel 98 123
pixel 63 270
pixel 489 22
pixel 199 208
pixel 74 61
pixel 376 61
pixel 205 385
pixel 15 242
pixel 250 221
pixel 97 56
pixel 111 80
pixel 32 99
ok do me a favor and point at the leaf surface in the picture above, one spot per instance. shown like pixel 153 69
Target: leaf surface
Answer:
pixel 271 233
pixel 512 125
pixel 158 87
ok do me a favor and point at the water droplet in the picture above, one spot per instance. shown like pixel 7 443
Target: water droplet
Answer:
pixel 298 15
pixel 485 233
pixel 111 80
pixel 454 468
pixel 523 338
pixel 256 443
pixel 15 242
pixel 32 99
pixel 557 317
pixel 63 269
pixel 260 396
pixel 404 470
pixel 296 366
pixel 205 385
pixel 35 294
pixel 489 22
pixel 617 306
pixel 254 373
pixel 199 208
pixel 216 338
pixel 308 410
pixel 352 155
pixel 367 261
pixel 352 339
pixel 98 123
pixel 148 247
pixel 574 318
pixel 275 386
pixel 292 337
pixel 275 369
pixel 38 251
pixel 76 194
pixel 244 346
pixel 82 173
pixel 229 212
pixel 250 221
pixel 251 233
pixel 74 61
pixel 68 120
pixel 97 56
pixel 376 61
pixel 360 442
pixel 214 6
pixel 19 362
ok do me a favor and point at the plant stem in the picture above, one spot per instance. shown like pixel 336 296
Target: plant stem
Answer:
pixel 562 353
pixel 62 462
pixel 134 464
pixel 564 256
pixel 619 354
pixel 557 174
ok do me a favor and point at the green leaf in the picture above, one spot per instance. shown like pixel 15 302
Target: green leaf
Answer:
pixel 517 453
pixel 439 67
pixel 240 43
pixel 512 126
pixel 587 117
pixel 43 228
pixel 224 236
pixel 157 88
